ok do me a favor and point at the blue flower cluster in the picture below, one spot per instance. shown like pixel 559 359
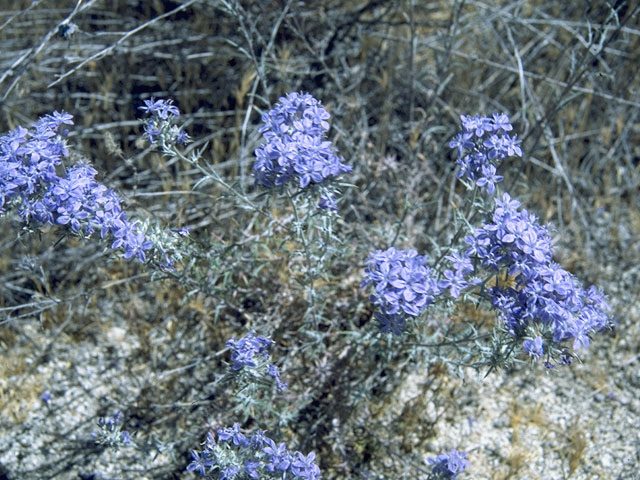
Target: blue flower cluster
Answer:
pixel 29 182
pixel 160 128
pixel 539 303
pixel 457 280
pixel 481 144
pixel 540 300
pixel 448 465
pixel 256 457
pixel 297 148
pixel 110 433
pixel 252 352
pixel 402 285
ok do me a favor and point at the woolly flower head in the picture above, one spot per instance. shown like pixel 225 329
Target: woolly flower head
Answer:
pixel 110 433
pixel 296 147
pixel 160 127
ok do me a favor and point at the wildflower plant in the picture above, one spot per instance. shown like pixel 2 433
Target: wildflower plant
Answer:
pixel 256 382
pixel 30 184
pixel 110 432
pixel 505 265
pixel 162 130
pixel 250 356
pixel 201 268
pixel 542 304
pixel 256 456
pixel 297 159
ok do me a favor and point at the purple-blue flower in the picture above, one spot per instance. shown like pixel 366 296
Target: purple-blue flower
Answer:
pixel 454 281
pixel 125 438
pixel 296 148
pixel 543 296
pixel 275 373
pixel 29 182
pixel 489 178
pixel 258 457
pixel 160 107
pixel 46 398
pixel 328 202
pixel 533 347
pixel 210 442
pixel 279 457
pixel 462 141
pixel 251 468
pixel 247 351
pixel 501 122
pixel 234 435
pixel 305 466
pixel 257 440
pixel 448 465
pixel 229 473
pixel 481 145
pixel 402 285
pixel 201 462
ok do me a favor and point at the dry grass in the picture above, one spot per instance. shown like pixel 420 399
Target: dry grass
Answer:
pixel 395 76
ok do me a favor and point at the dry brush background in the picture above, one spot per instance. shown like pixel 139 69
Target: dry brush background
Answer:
pixel 102 334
